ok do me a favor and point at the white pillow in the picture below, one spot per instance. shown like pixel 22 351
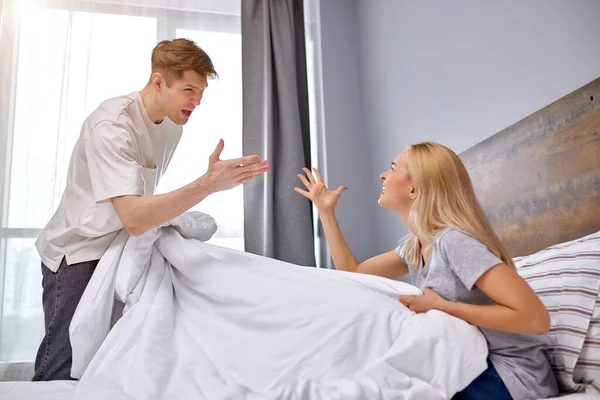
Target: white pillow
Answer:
pixel 566 277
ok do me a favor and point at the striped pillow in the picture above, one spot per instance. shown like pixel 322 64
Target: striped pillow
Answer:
pixel 587 369
pixel 566 277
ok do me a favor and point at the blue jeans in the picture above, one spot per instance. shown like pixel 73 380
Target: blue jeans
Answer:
pixel 487 386
pixel 62 291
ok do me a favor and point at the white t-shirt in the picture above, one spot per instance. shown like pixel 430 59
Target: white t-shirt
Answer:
pixel 120 152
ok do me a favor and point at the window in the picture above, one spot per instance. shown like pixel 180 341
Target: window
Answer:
pixel 219 116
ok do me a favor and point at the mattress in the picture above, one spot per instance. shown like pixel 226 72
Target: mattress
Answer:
pixel 56 390
pixel 578 396
pixel 63 390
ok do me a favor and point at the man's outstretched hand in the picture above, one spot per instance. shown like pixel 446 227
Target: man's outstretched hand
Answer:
pixel 227 174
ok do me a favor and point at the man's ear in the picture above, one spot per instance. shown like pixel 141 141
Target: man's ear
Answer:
pixel 157 80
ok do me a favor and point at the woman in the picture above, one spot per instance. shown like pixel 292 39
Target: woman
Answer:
pixel 455 257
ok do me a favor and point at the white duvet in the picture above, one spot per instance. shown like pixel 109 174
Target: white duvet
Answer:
pixel 206 322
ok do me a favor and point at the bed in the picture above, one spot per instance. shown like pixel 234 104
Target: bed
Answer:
pixel 58 390
pixel 64 390
pixel 539 182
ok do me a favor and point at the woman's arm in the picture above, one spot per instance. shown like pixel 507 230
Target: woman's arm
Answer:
pixel 517 308
pixel 387 265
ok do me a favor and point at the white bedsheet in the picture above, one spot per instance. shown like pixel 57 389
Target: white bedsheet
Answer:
pixel 206 322
pixel 65 390
pixel 57 390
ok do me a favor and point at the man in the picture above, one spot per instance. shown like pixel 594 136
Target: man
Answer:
pixel 124 148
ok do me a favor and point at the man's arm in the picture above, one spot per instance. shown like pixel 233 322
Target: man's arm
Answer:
pixel 139 214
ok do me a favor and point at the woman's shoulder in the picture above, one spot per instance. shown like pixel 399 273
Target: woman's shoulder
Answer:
pixel 453 235
pixel 457 243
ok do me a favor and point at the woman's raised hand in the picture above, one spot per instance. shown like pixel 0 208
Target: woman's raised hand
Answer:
pixel 323 198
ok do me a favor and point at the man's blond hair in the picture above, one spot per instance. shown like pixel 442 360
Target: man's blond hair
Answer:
pixel 172 57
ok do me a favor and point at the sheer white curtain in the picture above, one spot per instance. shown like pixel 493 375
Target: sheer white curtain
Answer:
pixel 59 60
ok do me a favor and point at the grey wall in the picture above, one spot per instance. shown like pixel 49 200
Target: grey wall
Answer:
pixel 346 154
pixel 453 72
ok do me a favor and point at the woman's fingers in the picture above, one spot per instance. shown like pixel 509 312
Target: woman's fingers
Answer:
pixel 305 181
pixel 319 177
pixel 309 174
pixel 302 192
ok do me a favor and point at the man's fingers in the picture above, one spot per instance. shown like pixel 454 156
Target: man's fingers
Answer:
pixel 244 161
pixel 251 174
pixel 254 167
pixel 248 177
pixel 214 157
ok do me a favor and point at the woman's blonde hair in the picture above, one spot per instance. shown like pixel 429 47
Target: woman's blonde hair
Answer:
pixel 445 199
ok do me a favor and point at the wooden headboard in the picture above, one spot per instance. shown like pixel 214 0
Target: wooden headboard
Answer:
pixel 539 179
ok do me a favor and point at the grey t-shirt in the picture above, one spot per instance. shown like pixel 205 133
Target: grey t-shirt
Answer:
pixel 455 264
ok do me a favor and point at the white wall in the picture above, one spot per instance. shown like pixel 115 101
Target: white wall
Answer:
pixel 455 72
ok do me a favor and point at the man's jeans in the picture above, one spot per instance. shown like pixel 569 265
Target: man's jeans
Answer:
pixel 62 291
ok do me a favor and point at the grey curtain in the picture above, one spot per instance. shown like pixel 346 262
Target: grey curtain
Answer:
pixel 277 220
